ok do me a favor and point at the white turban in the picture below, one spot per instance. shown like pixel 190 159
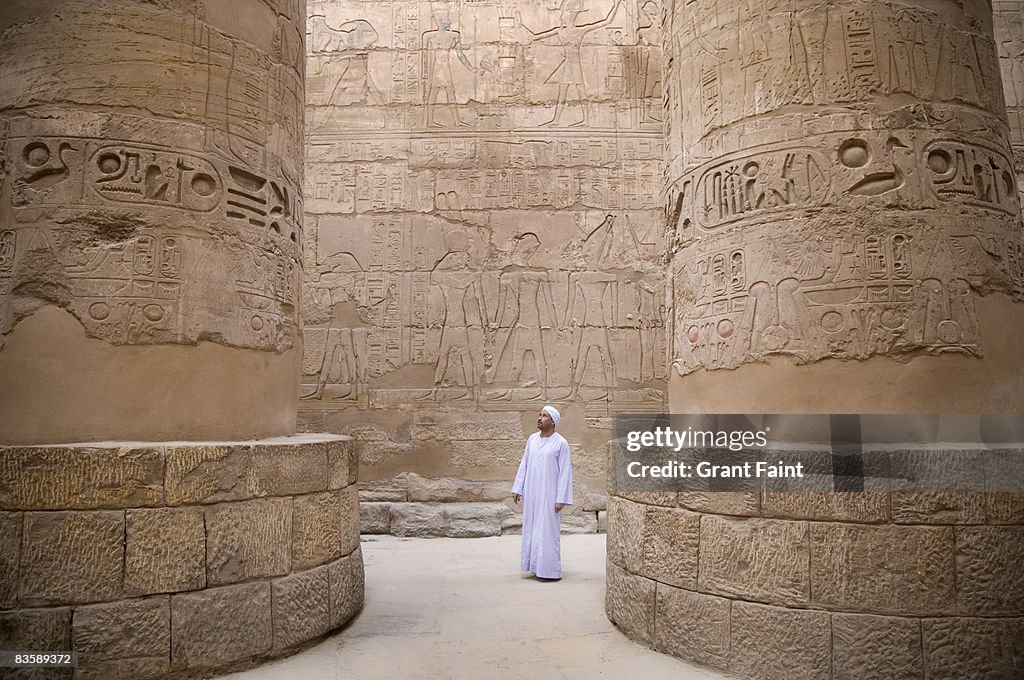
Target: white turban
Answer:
pixel 553 412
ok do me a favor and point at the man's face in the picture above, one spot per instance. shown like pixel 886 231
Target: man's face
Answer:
pixel 544 421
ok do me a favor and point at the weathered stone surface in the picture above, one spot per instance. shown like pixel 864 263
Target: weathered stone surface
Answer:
pixel 876 647
pixel 349 501
pixel 316 530
pixel 670 542
pixel 1004 508
pixel 667 499
pixel 288 470
pixel 36 629
pixel 957 648
pixel 485 453
pixel 469 430
pixel 153 668
pixel 36 478
pixel 452 489
pixel 10 553
pixel 417 519
pixel 343 463
pixel 470 520
pixel 301 607
pixel 779 644
pixel 692 626
pixel 863 507
pixel 220 625
pixel 938 508
pixel 165 550
pixel 885 569
pixel 385 490
pixel 71 557
pixel 722 502
pixel 579 522
pixel 248 539
pixel 347 586
pixel 629 603
pixel 602 521
pixel 137 630
pixel 374 518
pixel 625 533
pixel 208 474
pixel 990 571
pixel 758 559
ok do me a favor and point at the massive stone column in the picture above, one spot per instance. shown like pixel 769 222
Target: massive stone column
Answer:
pixel 150 249
pixel 847 239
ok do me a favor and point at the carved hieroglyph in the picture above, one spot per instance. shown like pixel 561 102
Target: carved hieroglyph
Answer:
pixel 157 195
pixel 484 196
pixel 1008 22
pixel 840 181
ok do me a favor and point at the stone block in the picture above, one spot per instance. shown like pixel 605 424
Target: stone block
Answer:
pixel 862 507
pixel 452 489
pixel 629 603
pixel 943 487
pixel 668 499
pixel 990 571
pixel 208 473
pixel 775 643
pixel 417 519
pixel 959 648
pixel 248 539
pixel 135 630
pixel 740 503
pixel 288 469
pixel 472 520
pixel 758 559
pixel 692 626
pixel 395 490
pixel 10 552
pixel 36 629
pixel 579 522
pixel 602 521
pixel 301 607
pixel 36 478
pixel 670 543
pixel 883 569
pixel 865 646
pixel 220 625
pixel 589 499
pixel 485 453
pixel 349 501
pixel 625 532
pixel 342 463
pixel 316 530
pixel 347 585
pixel 1004 508
pixel 71 557
pixel 153 668
pixel 374 518
pixel 470 430
pixel 938 508
pixel 165 550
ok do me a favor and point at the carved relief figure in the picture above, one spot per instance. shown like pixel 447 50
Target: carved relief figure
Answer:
pixel 442 47
pixel 568 74
pixel 348 73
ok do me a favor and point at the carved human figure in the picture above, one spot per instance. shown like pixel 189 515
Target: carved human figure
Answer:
pixel 349 72
pixel 651 320
pixel 648 68
pixel 458 362
pixel 524 306
pixel 443 49
pixel 568 74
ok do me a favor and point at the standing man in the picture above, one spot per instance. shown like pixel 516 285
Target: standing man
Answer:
pixel 544 484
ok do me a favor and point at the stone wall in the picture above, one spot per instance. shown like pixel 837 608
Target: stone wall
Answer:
pixel 169 560
pixel 485 229
pixel 1008 20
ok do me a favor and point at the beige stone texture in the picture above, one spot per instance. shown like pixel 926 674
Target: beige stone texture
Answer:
pixel 374 518
pixel 349 497
pixel 1004 508
pixel 740 503
pixel 773 643
pixel 692 626
pixel 147 230
pixel 956 648
pixel 248 539
pixel 208 473
pixel 625 533
pixel 71 557
pixel 220 625
pixel 42 629
pixel 10 556
pixel 343 463
pixel 670 544
pixel 382 490
pixel 417 519
pixel 990 571
pixel 883 569
pixel 756 559
pixel 289 470
pixel 36 478
pixel 630 603
pixel 1008 22
pixel 316 530
pixel 578 522
pixel 346 581
pixel 165 550
pixel 876 647
pixel 453 489
pixel 861 507
pixel 301 607
pixel 136 633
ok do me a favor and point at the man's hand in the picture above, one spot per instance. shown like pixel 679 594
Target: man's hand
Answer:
pixel 516 498
pixel 559 506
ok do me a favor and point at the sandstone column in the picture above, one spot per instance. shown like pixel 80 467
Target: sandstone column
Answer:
pixel 150 249
pixel 847 239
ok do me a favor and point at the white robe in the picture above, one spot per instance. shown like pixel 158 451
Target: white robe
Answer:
pixel 544 478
